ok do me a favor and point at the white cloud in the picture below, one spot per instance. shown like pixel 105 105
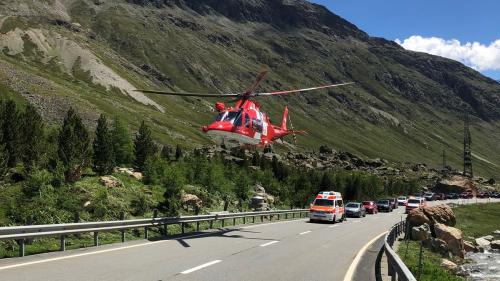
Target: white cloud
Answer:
pixel 475 55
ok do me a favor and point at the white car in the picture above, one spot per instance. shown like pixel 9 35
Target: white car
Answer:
pixel 402 200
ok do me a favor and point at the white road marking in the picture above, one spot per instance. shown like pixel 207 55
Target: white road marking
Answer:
pixel 356 221
pixel 332 226
pixel 305 232
pixel 97 252
pixel 200 266
pixel 271 223
pixel 375 218
pixel 350 272
pixel 269 243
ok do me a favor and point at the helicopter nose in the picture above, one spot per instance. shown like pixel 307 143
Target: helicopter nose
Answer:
pixel 219 126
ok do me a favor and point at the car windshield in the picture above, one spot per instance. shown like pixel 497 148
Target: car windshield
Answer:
pixel 413 201
pixel 383 202
pixel 367 202
pixel 323 202
pixel 402 198
pixel 352 205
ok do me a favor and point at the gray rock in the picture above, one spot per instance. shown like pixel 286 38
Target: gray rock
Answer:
pixel 482 244
pixel 470 247
pixel 488 237
pixel 420 233
pixel 495 245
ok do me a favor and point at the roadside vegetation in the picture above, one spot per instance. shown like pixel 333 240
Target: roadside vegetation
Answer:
pixel 477 220
pixel 51 174
pixel 431 269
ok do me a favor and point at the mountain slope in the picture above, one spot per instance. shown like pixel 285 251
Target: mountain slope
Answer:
pixel 406 106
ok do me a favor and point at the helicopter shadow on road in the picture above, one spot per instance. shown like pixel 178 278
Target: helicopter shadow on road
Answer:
pixel 221 232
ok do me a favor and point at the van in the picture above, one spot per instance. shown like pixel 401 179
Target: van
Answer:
pixel 327 206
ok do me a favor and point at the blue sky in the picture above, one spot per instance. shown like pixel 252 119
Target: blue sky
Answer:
pixel 442 20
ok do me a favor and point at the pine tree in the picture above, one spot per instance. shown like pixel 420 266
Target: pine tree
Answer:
pixel 123 146
pixel 103 148
pixel 11 132
pixel 242 189
pixel 74 146
pixel 178 152
pixel 144 146
pixel 166 152
pixel 3 161
pixel 32 137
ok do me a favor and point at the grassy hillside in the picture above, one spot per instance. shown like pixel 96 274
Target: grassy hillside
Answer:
pixel 405 106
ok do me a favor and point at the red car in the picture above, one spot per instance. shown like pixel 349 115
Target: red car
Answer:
pixel 371 207
pixel 440 196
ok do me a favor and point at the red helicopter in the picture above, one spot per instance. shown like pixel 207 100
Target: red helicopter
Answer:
pixel 245 125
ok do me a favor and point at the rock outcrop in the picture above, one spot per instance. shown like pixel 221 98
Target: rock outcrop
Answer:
pixel 420 233
pixel 110 181
pixel 431 215
pixel 455 183
pixel 191 201
pixel 453 238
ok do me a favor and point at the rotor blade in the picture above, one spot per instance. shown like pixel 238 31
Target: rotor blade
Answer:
pixel 168 93
pixel 257 81
pixel 300 90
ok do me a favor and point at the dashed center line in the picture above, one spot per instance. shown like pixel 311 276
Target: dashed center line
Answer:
pixel 305 232
pixel 269 243
pixel 200 267
pixel 356 221
pixel 332 226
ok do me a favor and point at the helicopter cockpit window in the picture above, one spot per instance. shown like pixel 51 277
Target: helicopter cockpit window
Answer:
pixel 233 117
pixel 247 120
pixel 257 125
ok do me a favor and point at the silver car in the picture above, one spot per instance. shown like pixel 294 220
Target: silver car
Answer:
pixel 355 209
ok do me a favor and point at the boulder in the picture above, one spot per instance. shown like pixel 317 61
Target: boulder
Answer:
pixel 191 200
pixel 488 237
pixel 431 215
pixel 137 175
pixel 455 183
pixel 496 232
pixel 482 244
pixel 453 238
pixel 416 217
pixel 258 188
pixel 440 214
pixel 495 244
pixel 449 265
pixel 110 181
pixel 437 245
pixel 470 247
pixel 420 233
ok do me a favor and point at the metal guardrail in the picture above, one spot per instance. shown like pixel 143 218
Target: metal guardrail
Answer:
pixel 396 267
pixel 22 233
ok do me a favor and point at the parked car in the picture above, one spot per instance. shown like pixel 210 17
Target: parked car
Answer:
pixel 414 203
pixel 370 207
pixel 394 203
pixel 466 195
pixel 355 209
pixel 384 205
pixel 440 196
pixel 430 196
pixel 402 200
pixel 495 195
pixel 452 195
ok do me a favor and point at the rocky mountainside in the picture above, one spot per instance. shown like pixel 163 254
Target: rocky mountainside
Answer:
pixel 91 54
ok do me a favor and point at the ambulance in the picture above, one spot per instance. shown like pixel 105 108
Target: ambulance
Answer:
pixel 328 206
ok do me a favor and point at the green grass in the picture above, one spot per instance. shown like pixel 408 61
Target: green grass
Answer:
pixel 431 270
pixel 477 220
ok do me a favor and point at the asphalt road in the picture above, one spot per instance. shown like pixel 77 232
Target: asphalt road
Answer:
pixel 286 250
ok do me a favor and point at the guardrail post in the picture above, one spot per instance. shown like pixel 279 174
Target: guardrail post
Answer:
pixel 261 218
pixel 146 232
pixel 165 229
pixel 122 232
pixel 253 219
pixel 21 247
pixel 293 215
pixel 63 243
pixel 182 228
pixel 278 216
pixel 286 216
pixel 96 238
pixel 244 220
pixel 211 224
pixel 223 222
pixel 234 221
pixel 198 226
